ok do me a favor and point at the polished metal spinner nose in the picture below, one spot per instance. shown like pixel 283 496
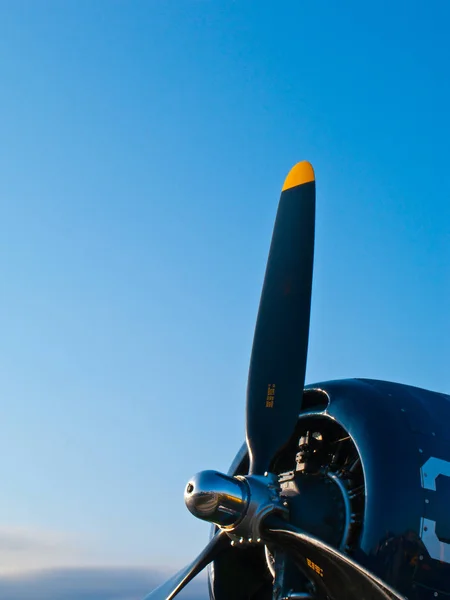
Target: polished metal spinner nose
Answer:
pixel 217 498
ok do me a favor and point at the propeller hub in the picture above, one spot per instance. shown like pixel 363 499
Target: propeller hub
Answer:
pixel 236 504
pixel 217 498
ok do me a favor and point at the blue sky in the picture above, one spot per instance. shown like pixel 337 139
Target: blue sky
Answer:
pixel 143 149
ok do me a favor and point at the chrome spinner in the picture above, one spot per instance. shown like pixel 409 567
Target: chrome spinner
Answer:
pixel 238 505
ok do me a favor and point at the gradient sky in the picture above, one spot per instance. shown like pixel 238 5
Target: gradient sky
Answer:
pixel 143 148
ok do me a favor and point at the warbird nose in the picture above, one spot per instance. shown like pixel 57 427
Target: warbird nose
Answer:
pixel 342 488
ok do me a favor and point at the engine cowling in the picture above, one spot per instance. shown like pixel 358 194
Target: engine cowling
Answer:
pixel 367 471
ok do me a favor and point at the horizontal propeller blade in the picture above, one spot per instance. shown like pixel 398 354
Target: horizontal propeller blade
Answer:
pixel 330 570
pixel 173 586
pixel 280 344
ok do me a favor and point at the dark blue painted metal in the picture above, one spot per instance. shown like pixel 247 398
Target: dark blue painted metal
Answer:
pixel 400 432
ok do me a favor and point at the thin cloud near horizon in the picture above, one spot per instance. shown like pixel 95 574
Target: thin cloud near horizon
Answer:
pixel 92 583
pixel 37 564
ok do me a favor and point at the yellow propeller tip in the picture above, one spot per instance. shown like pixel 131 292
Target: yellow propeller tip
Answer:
pixel 301 173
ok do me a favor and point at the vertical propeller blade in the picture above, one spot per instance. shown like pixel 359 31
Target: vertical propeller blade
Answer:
pixel 280 344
